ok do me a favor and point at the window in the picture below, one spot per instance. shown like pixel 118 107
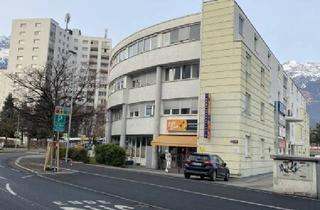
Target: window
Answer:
pixel 195 71
pixel 166 111
pixel 194 106
pixel 102 93
pixel 84 56
pixel 23 25
pixel 262 108
pixel 140 46
pixel 149 111
pixel 34 57
pixel 195 32
pixel 20 49
pixel 184 33
pixel 186 72
pixel 174 36
pixel 169 73
pixel 262 148
pixel 36 41
pixel 241 23
pixel 255 42
pixel 19 66
pixel 22 33
pixel 154 42
pixel 269 58
pixel 247 146
pixel 175 111
pixel 85 42
pixel 177 73
pixel 262 82
pixel 133 50
pixel 248 63
pixel 35 49
pixel 247 103
pixel 21 41
pixel 147 44
pixel 37 33
pixel 20 58
pixel 185 110
pixel 37 25
pixel 166 39
pixel 84 48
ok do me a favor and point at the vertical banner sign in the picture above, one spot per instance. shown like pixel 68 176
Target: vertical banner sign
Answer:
pixel 207 116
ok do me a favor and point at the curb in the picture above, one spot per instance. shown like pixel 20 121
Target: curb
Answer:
pixel 17 163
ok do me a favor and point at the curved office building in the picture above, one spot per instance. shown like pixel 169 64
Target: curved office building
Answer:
pixel 205 82
pixel 154 83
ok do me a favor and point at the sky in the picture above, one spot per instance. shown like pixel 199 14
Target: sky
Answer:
pixel 291 28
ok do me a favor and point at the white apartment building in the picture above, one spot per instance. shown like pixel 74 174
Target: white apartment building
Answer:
pixel 34 42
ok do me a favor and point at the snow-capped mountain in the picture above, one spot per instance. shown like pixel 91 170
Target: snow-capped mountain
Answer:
pixel 4 51
pixel 307 78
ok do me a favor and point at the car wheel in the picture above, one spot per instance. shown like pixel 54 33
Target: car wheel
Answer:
pixel 187 176
pixel 226 178
pixel 213 176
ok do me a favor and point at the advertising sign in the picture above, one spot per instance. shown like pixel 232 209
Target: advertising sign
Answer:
pixel 182 125
pixel 207 116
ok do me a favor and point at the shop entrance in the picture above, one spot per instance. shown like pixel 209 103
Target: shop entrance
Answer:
pixel 178 154
pixel 136 148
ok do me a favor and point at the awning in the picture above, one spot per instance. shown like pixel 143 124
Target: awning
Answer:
pixel 175 141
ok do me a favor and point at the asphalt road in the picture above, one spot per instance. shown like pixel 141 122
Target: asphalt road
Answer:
pixel 97 188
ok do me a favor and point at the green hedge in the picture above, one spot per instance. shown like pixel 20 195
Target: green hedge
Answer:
pixel 76 154
pixel 110 154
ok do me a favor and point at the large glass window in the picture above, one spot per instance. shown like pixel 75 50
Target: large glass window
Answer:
pixel 186 72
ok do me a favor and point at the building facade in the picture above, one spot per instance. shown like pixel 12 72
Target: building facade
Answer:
pixel 35 42
pixel 208 83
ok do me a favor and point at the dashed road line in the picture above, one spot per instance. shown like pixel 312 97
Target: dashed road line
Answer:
pixel 1 177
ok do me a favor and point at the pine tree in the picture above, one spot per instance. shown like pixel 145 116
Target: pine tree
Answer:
pixel 8 118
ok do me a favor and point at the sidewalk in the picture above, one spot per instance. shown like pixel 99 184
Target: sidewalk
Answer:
pixel 259 182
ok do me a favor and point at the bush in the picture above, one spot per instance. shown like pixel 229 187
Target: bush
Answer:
pixel 76 154
pixel 110 154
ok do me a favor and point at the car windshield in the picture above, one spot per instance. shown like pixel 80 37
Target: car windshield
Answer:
pixel 199 157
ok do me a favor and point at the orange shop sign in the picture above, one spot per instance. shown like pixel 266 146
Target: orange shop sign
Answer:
pixel 177 125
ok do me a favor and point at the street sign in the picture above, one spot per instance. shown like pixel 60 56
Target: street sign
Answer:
pixel 61 110
pixel 59 123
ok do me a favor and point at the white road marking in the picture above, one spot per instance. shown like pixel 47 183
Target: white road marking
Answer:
pixel 1 166
pixel 27 176
pixel 190 192
pixel 1 177
pixel 10 190
pixel 100 192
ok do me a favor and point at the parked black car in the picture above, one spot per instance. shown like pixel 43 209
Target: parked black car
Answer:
pixel 206 165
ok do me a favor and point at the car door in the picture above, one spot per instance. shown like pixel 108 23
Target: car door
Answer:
pixel 220 167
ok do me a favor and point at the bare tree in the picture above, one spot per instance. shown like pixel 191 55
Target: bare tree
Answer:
pixel 40 90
